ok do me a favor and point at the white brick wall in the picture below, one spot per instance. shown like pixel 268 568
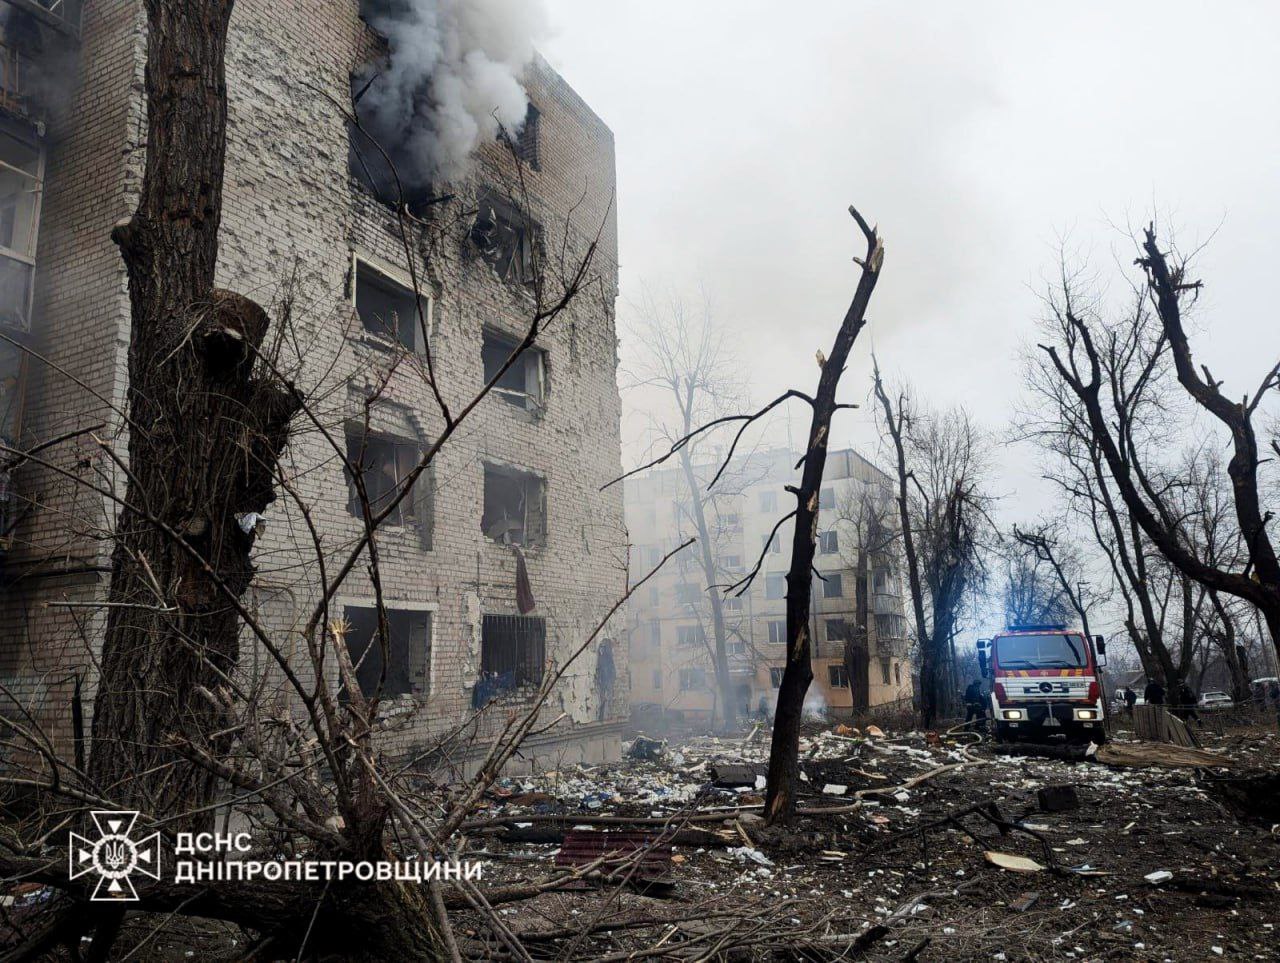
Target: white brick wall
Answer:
pixel 290 212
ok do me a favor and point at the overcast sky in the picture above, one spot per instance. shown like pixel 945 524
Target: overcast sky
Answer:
pixel 977 135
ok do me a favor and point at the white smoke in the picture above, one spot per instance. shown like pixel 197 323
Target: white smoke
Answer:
pixel 451 77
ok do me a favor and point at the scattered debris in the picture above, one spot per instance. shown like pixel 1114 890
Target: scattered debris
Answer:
pixel 1016 864
pixel 1057 799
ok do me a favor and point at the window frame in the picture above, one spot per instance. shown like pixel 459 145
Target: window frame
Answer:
pixel 524 400
pixel 524 662
pixel 542 536
pixel 401 278
pixel 415 509
pixel 419 692
pixel 837 676
pixel 832 585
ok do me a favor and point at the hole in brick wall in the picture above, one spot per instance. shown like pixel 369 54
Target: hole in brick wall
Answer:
pixel 506 238
pixel 385 463
pixel 388 308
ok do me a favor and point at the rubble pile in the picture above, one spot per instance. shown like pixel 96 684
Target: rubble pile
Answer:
pixel 923 843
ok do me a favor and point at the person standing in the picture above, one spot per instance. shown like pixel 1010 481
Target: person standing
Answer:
pixel 1153 695
pixel 975 703
pixel 1130 700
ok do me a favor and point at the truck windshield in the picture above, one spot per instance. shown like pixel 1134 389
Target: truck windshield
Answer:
pixel 1056 651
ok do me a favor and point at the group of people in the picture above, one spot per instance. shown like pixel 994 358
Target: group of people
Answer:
pixel 1182 704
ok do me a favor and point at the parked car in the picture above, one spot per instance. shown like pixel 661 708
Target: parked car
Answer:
pixel 1213 699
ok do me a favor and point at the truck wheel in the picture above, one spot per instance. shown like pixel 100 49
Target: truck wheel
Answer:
pixel 1004 734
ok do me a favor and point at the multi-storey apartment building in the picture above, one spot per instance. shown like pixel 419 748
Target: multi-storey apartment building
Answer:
pixel 304 223
pixel 670 628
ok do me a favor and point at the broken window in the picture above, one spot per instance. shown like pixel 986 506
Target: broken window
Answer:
pixel 526 143
pixel 775 587
pixel 777 632
pixel 385 463
pixel 514 506
pixel 838 677
pixel 687 593
pixel 522 383
pixel 404 667
pixel 388 308
pixel 21 173
pixel 775 676
pixel 691 635
pixel 693 679
pixel 833 586
pixel 828 543
pixel 838 630
pixel 513 650
pixel 506 238
pixel 884 670
pixel 373 173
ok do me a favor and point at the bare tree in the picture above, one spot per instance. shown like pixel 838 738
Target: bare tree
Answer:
pixel 784 769
pixel 206 428
pixel 688 359
pixel 1132 359
pixel 867 513
pixel 942 512
pixel 1078 359
pixel 1054 573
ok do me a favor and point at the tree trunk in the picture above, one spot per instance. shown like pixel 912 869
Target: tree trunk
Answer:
pixel 784 750
pixel 204 437
pixel 728 706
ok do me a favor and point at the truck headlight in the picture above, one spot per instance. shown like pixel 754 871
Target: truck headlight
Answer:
pixel 1087 715
pixel 1012 713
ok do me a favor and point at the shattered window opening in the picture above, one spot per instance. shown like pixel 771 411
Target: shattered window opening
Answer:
pixel 526 144
pixel 884 671
pixel 513 650
pixel 691 635
pixel 408 664
pixel 21 190
pixel 514 506
pixel 522 384
pixel 693 679
pixel 506 238
pixel 838 677
pixel 833 587
pixel 385 461
pixel 389 308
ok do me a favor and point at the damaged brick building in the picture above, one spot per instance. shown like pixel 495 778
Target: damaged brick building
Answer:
pixel 304 227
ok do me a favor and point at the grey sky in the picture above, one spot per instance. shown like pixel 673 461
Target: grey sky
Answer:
pixel 975 134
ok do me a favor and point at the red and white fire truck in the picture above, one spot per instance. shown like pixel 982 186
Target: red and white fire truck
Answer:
pixel 1046 681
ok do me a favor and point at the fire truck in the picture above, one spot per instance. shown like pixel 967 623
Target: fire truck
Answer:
pixel 1046 682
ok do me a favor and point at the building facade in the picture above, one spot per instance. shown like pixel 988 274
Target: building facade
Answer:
pixel 670 623
pixel 306 234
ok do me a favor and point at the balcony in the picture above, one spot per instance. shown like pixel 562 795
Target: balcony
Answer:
pixel 886 603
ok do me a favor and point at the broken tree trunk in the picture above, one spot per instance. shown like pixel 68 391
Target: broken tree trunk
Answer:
pixel 784 770
pixel 205 432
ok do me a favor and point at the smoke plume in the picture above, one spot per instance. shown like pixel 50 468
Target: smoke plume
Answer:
pixel 451 77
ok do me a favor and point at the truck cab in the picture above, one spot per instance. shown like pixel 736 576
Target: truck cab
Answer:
pixel 1046 682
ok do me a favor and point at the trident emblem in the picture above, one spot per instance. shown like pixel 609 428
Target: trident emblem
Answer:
pixel 114 856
